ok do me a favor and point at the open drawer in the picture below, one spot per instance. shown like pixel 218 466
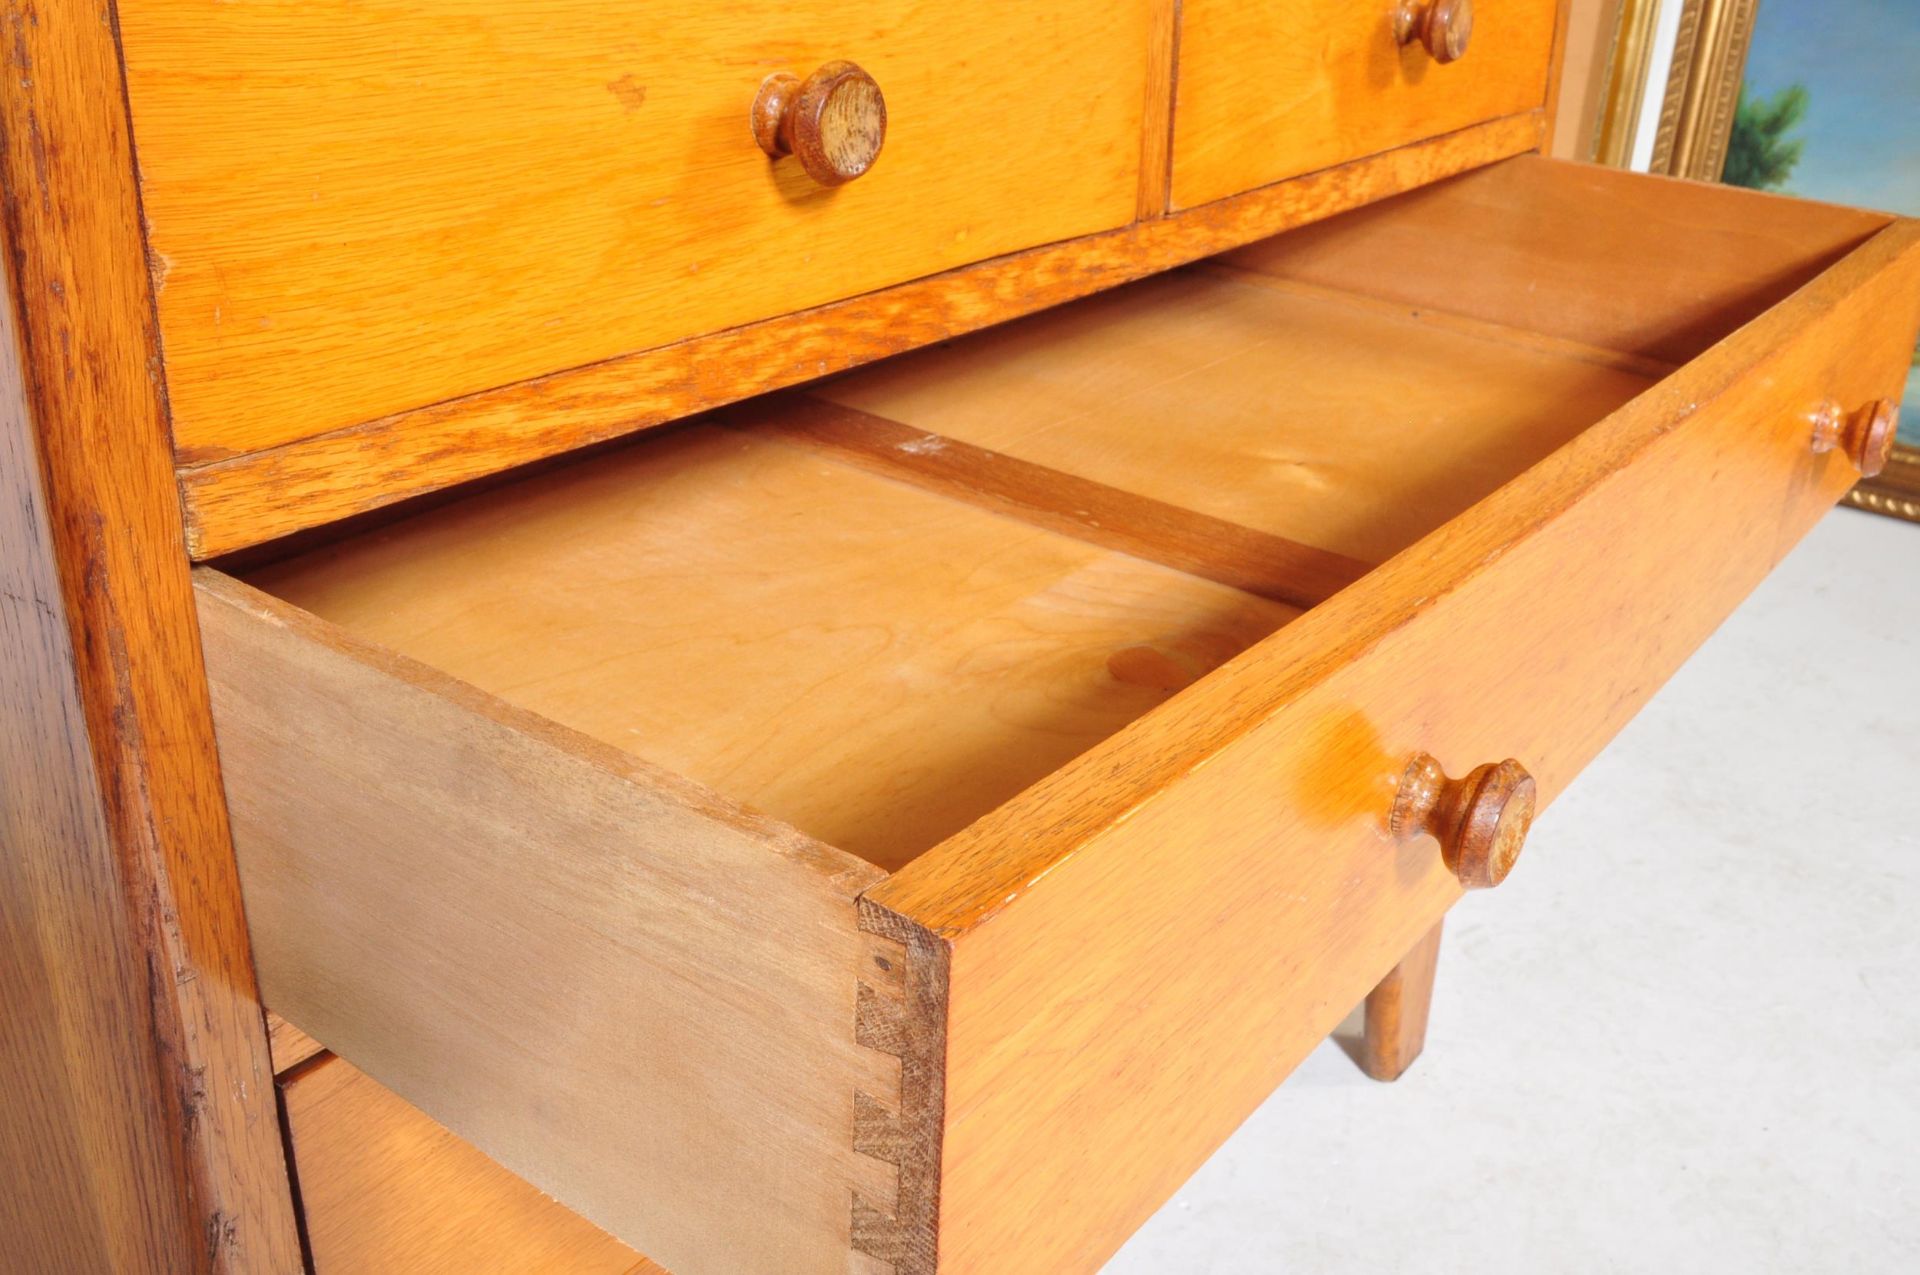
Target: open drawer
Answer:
pixel 912 823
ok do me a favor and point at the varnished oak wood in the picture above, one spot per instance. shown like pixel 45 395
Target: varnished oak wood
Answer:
pixel 1444 28
pixel 1246 818
pixel 834 121
pixel 545 185
pixel 1156 129
pixel 329 476
pixel 1480 820
pixel 138 1132
pixel 1396 1012
pixel 1271 89
pixel 620 986
pixel 385 1190
pixel 1864 435
pixel 871 663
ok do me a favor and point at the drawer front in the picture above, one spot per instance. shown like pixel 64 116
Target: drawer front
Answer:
pixel 1144 944
pixel 355 210
pixel 1271 89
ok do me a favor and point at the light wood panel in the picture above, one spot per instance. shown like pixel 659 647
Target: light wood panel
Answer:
pixel 868 662
pixel 613 982
pixel 356 210
pixel 1241 827
pixel 1271 89
pixel 1254 561
pixel 384 1190
pixel 1156 132
pixel 260 496
pixel 138 1131
pixel 1648 266
pixel 1347 425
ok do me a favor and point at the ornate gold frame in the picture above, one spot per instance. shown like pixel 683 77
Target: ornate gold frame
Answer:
pixel 1696 117
pixel 1896 492
pixel 1629 60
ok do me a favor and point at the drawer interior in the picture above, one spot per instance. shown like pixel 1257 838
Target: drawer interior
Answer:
pixel 878 609
pixel 872 663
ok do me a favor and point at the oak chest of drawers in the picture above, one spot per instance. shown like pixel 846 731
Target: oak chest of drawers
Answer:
pixel 465 595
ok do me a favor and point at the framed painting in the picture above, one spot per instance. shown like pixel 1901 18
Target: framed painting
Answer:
pixel 1829 108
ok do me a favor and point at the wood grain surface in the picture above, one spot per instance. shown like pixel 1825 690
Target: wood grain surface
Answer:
pixel 359 210
pixel 1647 266
pixel 1156 128
pixel 1241 826
pixel 320 479
pixel 1309 414
pixel 385 1190
pixel 1396 1011
pixel 1271 89
pixel 139 1131
pixel 290 1046
pixel 871 663
pixel 1212 548
pixel 615 983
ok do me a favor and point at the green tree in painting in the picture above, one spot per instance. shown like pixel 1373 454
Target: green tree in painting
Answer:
pixel 1760 155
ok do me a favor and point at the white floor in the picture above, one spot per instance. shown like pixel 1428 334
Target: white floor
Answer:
pixel 1685 1035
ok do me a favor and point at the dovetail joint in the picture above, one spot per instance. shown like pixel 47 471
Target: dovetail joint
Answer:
pixel 902 1012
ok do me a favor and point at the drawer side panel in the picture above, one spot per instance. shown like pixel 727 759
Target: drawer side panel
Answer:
pixel 632 995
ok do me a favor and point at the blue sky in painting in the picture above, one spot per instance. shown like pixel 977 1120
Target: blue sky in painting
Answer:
pixel 1860 61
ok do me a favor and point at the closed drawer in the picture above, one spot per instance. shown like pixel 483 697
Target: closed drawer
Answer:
pixel 545 185
pixel 970 781
pixel 1270 89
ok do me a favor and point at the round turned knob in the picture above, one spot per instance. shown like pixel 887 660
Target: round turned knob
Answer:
pixel 1442 27
pixel 1480 822
pixel 1866 436
pixel 835 121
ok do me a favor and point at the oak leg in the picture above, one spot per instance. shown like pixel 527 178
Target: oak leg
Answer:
pixel 1397 1011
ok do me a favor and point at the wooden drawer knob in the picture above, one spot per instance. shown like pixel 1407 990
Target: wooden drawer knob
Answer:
pixel 1442 27
pixel 1866 436
pixel 1480 822
pixel 835 121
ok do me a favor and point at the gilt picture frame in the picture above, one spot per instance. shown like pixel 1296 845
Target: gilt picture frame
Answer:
pixel 1818 94
pixel 1703 87
pixel 1827 113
